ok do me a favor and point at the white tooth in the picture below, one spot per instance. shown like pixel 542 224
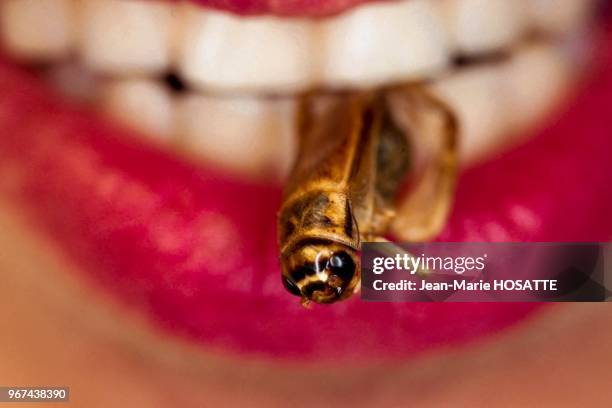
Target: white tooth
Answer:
pixel 478 98
pixel 245 135
pixel 383 42
pixel 145 105
pixel 223 52
pixel 285 139
pixel 479 26
pixel 498 104
pixel 123 36
pixel 538 77
pixel 559 16
pixel 38 30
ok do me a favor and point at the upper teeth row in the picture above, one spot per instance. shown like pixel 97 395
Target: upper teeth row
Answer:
pixel 212 50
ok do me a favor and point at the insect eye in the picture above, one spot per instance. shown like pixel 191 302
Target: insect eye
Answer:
pixel 290 285
pixel 342 264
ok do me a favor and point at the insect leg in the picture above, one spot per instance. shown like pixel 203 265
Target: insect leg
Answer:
pixel 432 127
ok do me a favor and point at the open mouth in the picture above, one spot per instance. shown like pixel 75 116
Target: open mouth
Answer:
pixel 168 198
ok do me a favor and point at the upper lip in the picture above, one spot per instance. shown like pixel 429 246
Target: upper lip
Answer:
pixel 318 8
pixel 196 249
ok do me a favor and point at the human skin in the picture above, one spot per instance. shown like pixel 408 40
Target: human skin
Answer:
pixel 63 332
pixel 62 328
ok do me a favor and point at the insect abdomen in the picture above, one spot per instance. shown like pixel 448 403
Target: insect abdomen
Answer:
pixel 317 215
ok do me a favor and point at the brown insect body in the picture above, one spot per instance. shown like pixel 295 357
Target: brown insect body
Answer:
pixel 351 162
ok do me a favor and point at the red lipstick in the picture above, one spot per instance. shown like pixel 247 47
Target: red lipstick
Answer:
pixel 293 8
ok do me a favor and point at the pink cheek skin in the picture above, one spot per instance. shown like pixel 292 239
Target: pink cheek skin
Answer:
pixel 196 251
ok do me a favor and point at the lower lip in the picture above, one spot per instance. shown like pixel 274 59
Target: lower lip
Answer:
pixel 196 252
